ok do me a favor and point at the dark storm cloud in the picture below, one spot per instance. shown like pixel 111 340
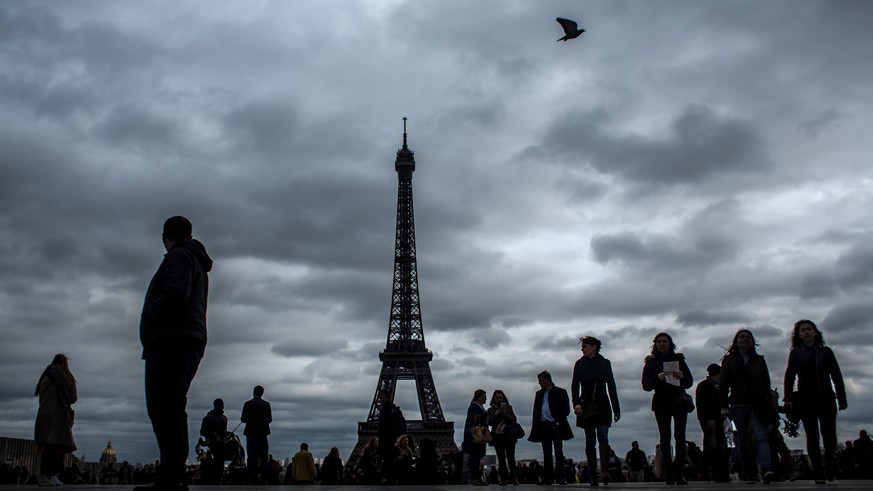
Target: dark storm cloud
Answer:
pixel 678 192
pixel 700 145
pixel 696 317
pixel 302 346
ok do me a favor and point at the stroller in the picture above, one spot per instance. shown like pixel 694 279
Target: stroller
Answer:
pixel 214 453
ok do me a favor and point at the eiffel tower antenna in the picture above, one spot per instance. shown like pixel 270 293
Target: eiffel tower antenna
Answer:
pixel 405 356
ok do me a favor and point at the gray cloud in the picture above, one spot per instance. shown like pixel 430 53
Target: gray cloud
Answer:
pixel 682 167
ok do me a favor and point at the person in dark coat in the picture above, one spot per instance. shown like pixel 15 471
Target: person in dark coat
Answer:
pixel 715 456
pixel 667 383
pixel 500 417
pixel 476 416
pixel 817 372
pixel 257 416
pixel 53 431
pixel 388 430
pixel 172 331
pixel 213 429
pixel 331 468
pixel 549 426
pixel 593 379
pixel 744 396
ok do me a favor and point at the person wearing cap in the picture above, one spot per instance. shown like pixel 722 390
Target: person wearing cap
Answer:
pixel 593 382
pixel 714 465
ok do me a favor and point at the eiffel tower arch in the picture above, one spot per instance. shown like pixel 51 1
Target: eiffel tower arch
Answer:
pixel 405 356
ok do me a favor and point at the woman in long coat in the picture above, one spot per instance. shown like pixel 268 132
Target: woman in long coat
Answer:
pixel 817 372
pixel 476 416
pixel 593 379
pixel 53 433
pixel 658 378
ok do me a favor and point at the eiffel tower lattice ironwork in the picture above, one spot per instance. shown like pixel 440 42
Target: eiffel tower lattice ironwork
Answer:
pixel 405 356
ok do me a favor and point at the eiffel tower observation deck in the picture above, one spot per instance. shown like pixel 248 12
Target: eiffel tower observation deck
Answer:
pixel 405 356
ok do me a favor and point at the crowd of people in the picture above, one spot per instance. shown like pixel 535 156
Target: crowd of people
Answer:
pixel 739 389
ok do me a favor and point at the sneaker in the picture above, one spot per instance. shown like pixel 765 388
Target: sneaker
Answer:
pixel 768 477
pixel 44 481
pixel 55 480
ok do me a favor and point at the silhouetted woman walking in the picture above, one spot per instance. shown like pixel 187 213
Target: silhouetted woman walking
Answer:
pixel 595 410
pixel 744 395
pixel 53 432
pixel 817 372
pixel 666 373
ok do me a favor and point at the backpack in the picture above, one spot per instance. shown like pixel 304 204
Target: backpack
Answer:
pixel 401 422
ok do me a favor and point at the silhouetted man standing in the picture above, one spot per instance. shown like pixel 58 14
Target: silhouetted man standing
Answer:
pixel 172 331
pixel 715 452
pixel 550 426
pixel 257 415
pixel 388 431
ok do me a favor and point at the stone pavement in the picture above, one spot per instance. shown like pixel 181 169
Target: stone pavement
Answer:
pixel 693 486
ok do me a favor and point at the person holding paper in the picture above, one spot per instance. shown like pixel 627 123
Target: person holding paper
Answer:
pixel 666 373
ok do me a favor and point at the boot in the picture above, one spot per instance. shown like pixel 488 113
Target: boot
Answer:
pixel 592 465
pixel 604 463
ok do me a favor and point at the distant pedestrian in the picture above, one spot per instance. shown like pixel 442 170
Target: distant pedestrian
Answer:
pixel 389 428
pixel 636 462
pixel 818 373
pixel 172 331
pixel 501 417
pixel 715 461
pixel 257 416
pixel 213 429
pixel 666 373
pixel 332 467
pixel 595 404
pixel 549 427
pixel 53 432
pixel 477 415
pixel 303 466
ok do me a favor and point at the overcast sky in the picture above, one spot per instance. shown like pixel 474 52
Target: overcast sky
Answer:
pixel 687 166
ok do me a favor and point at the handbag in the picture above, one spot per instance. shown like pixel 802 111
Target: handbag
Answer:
pixel 481 434
pixel 589 406
pixel 682 403
pixel 515 430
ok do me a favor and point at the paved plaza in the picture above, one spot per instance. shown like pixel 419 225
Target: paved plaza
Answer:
pixel 696 486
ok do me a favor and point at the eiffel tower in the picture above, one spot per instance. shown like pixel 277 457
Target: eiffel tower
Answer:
pixel 405 356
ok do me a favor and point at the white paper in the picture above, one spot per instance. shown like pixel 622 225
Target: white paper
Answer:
pixel 669 368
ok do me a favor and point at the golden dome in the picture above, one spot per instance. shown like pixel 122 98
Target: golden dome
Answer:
pixel 108 456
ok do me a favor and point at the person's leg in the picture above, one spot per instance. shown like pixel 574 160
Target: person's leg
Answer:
pixel 679 422
pixel 602 432
pixel 510 458
pixel 828 421
pixel 559 458
pixel 168 376
pixel 665 420
pixel 759 431
pixel 502 470
pixel 741 415
pixel 548 436
pixel 591 454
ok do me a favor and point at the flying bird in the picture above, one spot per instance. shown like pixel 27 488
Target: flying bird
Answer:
pixel 571 29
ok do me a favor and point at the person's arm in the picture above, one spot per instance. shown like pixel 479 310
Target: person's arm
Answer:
pixel 837 378
pixel 613 392
pixel 788 380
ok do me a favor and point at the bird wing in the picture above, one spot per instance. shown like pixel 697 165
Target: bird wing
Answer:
pixel 570 26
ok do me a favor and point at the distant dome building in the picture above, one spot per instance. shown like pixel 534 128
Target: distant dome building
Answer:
pixel 108 456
